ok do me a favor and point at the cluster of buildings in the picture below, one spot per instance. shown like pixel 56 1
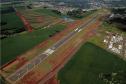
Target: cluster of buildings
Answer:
pixel 116 43
pixel 62 7
pixel 42 4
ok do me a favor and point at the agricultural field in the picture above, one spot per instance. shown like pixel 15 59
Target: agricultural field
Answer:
pixel 79 14
pixel 41 18
pixel 16 45
pixel 10 22
pixel 47 12
pixel 88 64
pixel 11 19
pixel 21 8
pixel 16 42
pixel 5 6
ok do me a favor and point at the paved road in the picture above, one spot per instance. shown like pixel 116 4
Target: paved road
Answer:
pixel 40 58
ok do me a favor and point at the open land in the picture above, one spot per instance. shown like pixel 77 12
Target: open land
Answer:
pixel 11 23
pixel 111 38
pixel 88 63
pixel 58 55
pixel 11 47
pixel 8 26
pixel 55 49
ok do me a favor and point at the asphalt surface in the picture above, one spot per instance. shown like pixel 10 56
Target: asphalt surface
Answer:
pixel 65 39
pixel 40 58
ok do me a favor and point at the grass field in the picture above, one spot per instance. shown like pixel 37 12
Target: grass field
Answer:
pixel 88 63
pixel 14 46
pixel 112 28
pixel 5 6
pixel 83 15
pixel 39 18
pixel 13 22
pixel 101 34
pixel 47 12
pixel 88 13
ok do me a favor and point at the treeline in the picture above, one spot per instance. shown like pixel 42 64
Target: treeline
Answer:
pixel 8 32
pixel 10 25
pixel 114 78
pixel 7 10
pixel 119 22
pixel 57 12
pixel 119 11
pixel 119 18
pixel 76 13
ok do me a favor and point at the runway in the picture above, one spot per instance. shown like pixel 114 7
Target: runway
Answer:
pixel 40 58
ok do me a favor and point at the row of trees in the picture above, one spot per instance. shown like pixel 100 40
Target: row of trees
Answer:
pixel 119 18
pixel 7 10
pixel 119 11
pixel 57 12
pixel 76 13
pixel 7 32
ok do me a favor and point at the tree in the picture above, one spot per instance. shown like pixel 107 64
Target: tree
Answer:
pixel 114 78
pixel 57 12
pixel 76 13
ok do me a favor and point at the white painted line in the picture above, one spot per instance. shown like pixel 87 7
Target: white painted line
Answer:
pixel 80 30
pixel 51 51
pixel 76 29
pixel 47 51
